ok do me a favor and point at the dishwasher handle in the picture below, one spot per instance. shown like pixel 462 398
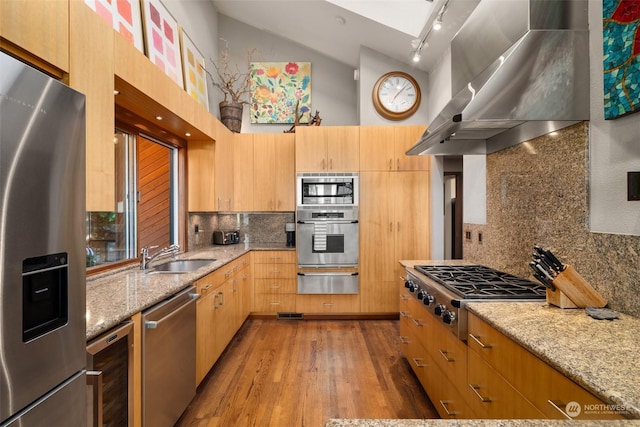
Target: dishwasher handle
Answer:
pixel 155 324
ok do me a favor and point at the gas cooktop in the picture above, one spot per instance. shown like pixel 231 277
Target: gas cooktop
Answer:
pixel 480 282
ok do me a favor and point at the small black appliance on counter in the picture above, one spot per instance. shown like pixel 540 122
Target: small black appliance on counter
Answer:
pixel 226 237
pixel 290 228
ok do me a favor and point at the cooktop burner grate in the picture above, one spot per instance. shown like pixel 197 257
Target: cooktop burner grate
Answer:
pixel 481 282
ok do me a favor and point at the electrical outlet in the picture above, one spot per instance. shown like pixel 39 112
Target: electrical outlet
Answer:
pixel 633 186
pixel 480 237
pixel 196 228
pixel 467 235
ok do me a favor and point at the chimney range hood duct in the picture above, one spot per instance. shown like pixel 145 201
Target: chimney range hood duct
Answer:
pixel 520 69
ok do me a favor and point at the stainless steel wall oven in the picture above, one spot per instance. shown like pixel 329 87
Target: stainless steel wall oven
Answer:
pixel 327 233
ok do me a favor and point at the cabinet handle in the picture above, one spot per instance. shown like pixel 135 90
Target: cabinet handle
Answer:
pixel 417 322
pixel 390 164
pixel 404 314
pixel 205 289
pixel 391 227
pixel 327 304
pixel 404 297
pixel 274 257
pixel 402 279
pixel 275 303
pixel 419 364
pixel 398 163
pixel 94 380
pixel 216 299
pixel 331 164
pixel 398 230
pixel 558 407
pixel 444 354
pixel 404 340
pixel 275 271
pixel 274 286
pixel 475 389
pixel 476 339
pixel 444 404
pixel 323 164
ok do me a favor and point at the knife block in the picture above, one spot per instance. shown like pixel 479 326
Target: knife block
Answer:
pixel 572 291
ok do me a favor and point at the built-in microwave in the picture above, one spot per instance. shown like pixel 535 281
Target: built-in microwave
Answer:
pixel 338 189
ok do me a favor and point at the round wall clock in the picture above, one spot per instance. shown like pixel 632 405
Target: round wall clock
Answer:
pixel 396 95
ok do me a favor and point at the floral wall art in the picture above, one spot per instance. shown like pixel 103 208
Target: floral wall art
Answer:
pixel 621 64
pixel 276 88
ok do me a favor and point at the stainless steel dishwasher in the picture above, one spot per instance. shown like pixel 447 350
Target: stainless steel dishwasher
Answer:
pixel 169 359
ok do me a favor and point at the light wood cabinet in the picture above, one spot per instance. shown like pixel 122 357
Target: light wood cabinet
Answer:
pixel 233 174
pixel 274 172
pixel 546 389
pixel 201 176
pixel 91 72
pixel 327 303
pixel 438 363
pixel 220 311
pixel 327 148
pixel 274 281
pixel 382 148
pixel 394 225
pixel 38 31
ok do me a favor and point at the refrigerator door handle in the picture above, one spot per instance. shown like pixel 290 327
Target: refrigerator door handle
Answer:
pixel 94 380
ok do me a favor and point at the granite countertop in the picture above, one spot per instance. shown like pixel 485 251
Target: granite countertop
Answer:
pixel 119 294
pixel 599 355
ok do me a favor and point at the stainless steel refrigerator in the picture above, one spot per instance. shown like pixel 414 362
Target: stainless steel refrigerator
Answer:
pixel 42 254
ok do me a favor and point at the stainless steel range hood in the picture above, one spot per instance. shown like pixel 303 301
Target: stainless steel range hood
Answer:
pixel 520 69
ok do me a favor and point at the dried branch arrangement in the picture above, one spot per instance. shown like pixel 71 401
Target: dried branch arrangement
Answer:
pixel 231 81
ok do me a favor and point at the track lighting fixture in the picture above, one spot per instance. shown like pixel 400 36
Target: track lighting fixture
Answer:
pixel 419 44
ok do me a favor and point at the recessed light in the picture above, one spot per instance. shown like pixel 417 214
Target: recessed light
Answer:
pixel 158 117
pixel 187 134
pixel 116 92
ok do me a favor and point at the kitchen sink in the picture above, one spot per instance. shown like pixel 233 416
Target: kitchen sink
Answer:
pixel 182 265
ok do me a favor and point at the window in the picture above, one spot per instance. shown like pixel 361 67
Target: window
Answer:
pixel 145 207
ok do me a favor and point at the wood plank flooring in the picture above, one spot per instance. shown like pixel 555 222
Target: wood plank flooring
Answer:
pixel 303 372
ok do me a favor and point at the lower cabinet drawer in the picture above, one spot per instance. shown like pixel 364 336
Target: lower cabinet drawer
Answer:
pixel 328 303
pixel 490 396
pixel 274 303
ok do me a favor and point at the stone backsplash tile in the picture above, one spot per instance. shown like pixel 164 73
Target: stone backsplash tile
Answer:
pixel 537 194
pixel 255 227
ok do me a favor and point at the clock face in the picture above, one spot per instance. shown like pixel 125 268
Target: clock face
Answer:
pixel 396 95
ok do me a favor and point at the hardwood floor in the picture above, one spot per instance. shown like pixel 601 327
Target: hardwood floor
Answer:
pixel 303 372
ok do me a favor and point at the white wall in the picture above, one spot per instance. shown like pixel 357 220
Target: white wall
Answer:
pixel 333 90
pixel 199 20
pixel 614 149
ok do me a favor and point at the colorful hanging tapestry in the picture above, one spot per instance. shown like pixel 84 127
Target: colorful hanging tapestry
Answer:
pixel 621 48
pixel 277 88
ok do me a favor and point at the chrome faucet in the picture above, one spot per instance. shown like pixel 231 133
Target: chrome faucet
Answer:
pixel 145 259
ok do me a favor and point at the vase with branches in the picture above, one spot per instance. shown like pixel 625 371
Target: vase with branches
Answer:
pixel 234 84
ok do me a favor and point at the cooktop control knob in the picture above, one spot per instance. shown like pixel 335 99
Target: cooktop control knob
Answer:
pixel 440 309
pixel 421 294
pixel 407 283
pixel 449 317
pixel 428 299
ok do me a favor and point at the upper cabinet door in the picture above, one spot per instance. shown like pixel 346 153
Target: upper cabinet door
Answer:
pixel 242 172
pixel 406 137
pixel 327 148
pixel 343 148
pixel 383 148
pixel 92 74
pixel 40 27
pixel 274 172
pixel 311 149
pixel 377 148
